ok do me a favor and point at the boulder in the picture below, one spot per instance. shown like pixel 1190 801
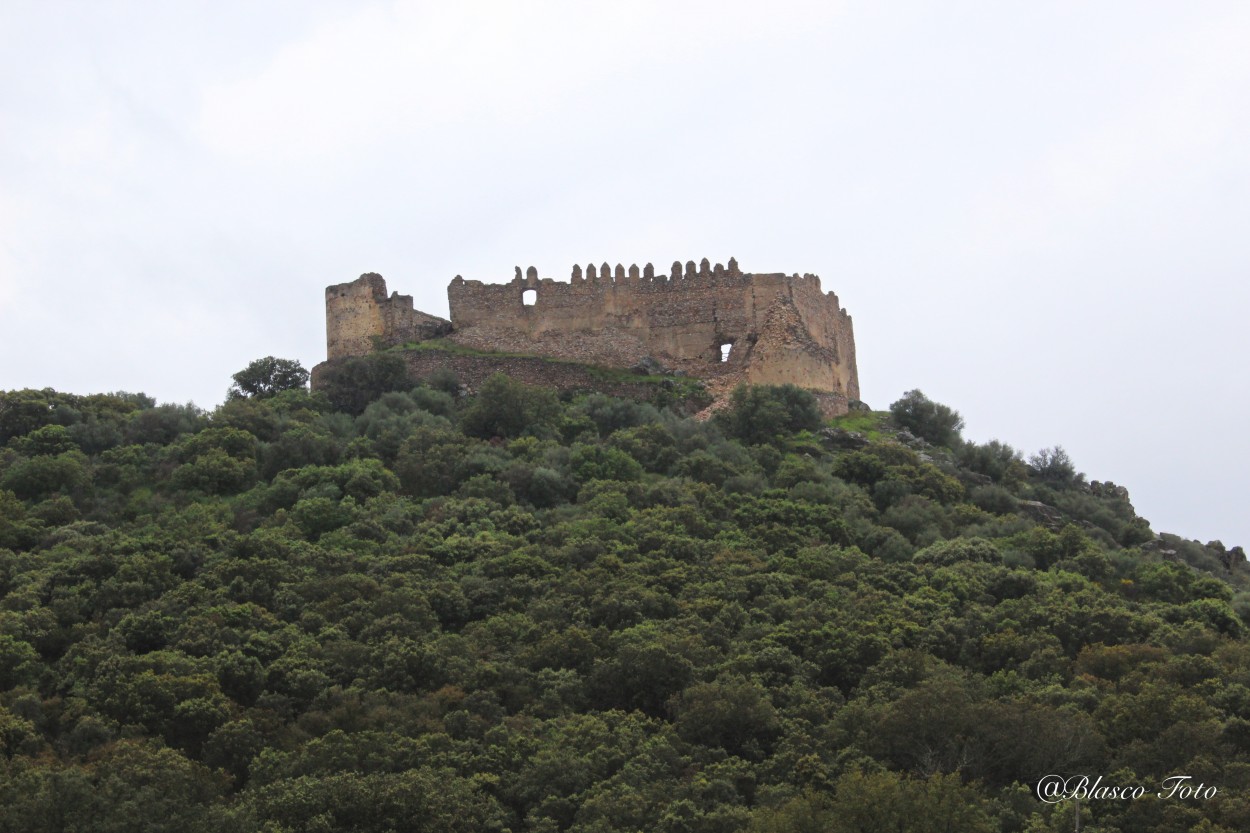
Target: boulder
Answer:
pixel 841 438
pixel 649 366
pixel 910 440
pixel 1045 514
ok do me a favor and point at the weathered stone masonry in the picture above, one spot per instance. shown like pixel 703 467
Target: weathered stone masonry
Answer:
pixel 779 328
pixel 359 313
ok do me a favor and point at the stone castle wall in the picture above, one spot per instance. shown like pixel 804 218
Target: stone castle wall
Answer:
pixel 780 328
pixel 359 313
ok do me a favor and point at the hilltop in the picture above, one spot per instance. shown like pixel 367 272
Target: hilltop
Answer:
pixel 387 605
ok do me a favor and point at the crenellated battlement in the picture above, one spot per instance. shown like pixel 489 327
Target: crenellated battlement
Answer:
pixel 677 276
pixel 704 319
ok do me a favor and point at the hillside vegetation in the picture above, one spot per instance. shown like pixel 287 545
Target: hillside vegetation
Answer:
pixel 392 608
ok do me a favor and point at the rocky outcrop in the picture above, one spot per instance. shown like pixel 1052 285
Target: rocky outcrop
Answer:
pixel 1045 514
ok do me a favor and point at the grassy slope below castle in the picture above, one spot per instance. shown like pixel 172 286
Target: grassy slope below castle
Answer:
pixel 407 609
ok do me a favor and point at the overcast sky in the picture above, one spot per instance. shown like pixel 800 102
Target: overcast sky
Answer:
pixel 1037 213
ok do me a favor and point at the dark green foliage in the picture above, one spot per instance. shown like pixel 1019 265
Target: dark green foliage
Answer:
pixel 610 414
pixel 643 675
pixel 596 462
pixel 761 413
pixel 444 380
pixel 432 461
pixel 860 468
pixel 998 461
pixel 404 609
pixel 1053 466
pixel 351 384
pixel 734 714
pixel 540 486
pixel 653 446
pixel 267 377
pixel 317 515
pixel 45 475
pixel 18 662
pixel 24 411
pixel 301 445
pixel 394 417
pixel 133 785
pixel 163 424
pixel 49 440
pixel 929 420
pixel 217 461
pixel 17 528
pixel 504 408
pixel 994 499
pixel 882 802
pixel 960 549
pixel 414 801
pixel 146 631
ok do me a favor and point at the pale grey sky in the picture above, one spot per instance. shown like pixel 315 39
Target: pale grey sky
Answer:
pixel 1037 213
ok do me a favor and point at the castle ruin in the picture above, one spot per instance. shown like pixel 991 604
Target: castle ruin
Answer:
pixel 716 323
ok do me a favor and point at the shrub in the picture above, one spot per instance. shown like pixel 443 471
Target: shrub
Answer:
pixel 504 408
pixel 996 460
pixel 316 516
pixel 610 414
pixel 651 445
pixel 945 553
pixel 215 472
pixel 431 462
pixel 929 420
pixel 267 377
pixel 50 440
pixel 44 475
pixel 1053 466
pixel 994 499
pixel 734 714
pixel 164 424
pixel 759 414
pixel 595 462
pixel 860 468
pixel 353 383
pixel 539 486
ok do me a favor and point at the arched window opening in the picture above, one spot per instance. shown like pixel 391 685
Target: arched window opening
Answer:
pixel 724 351
pixel 529 297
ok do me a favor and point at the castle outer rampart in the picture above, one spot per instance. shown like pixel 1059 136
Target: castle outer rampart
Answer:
pixel 777 328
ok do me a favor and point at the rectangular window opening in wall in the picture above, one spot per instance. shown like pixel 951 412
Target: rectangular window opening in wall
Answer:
pixel 529 296
pixel 724 351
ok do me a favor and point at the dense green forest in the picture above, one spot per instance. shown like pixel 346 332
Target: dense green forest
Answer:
pixel 390 606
